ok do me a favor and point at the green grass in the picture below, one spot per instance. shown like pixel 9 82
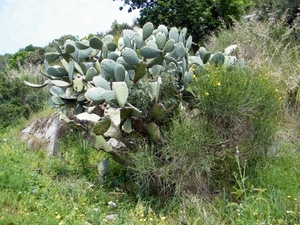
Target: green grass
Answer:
pixel 269 195
pixel 36 189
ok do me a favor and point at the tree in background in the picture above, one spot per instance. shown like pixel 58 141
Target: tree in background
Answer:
pixel 117 28
pixel 63 38
pixel 29 55
pixel 202 18
pixel 3 63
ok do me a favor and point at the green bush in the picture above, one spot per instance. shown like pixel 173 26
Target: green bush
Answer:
pixel 265 46
pixel 142 98
pixel 30 55
pixel 17 100
pixel 236 112
pixel 180 167
pixel 240 107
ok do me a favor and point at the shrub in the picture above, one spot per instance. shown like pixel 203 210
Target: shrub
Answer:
pixel 30 55
pixel 181 167
pixel 236 113
pixel 263 53
pixel 240 107
pixel 17 100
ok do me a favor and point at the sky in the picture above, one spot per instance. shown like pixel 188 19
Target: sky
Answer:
pixel 39 22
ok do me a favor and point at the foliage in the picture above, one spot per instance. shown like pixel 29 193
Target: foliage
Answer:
pixel 29 48
pixel 262 201
pixel 133 92
pixel 17 100
pixel 240 107
pixel 30 55
pixel 236 114
pixel 17 59
pixel 117 28
pixel 127 91
pixel 63 39
pixel 178 168
pixel 264 46
pixel 242 110
pixel 202 18
pixel 3 63
pixel 35 189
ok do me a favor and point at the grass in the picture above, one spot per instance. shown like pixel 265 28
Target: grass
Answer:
pixel 269 195
pixel 36 189
pixel 268 48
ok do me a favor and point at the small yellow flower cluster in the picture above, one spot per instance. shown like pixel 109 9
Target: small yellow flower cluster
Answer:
pixel 57 216
pixel 150 217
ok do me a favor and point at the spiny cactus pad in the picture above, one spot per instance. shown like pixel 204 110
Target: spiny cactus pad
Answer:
pixel 131 85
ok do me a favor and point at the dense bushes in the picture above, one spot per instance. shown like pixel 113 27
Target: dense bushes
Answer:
pixel 236 112
pixel 17 100
pixel 265 46
pixel 230 116
pixel 239 106
pixel 30 55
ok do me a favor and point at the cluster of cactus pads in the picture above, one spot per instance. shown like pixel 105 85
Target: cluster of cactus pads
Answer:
pixel 127 89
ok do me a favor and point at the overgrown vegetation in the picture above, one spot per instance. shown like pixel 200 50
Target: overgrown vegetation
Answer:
pixel 16 100
pixel 277 9
pixel 58 190
pixel 236 114
pixel 265 45
pixel 132 92
pixel 231 157
pixel 29 55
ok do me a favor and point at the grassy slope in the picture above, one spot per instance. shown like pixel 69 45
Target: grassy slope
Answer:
pixel 35 189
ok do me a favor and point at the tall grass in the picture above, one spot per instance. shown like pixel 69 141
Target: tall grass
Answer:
pixel 270 48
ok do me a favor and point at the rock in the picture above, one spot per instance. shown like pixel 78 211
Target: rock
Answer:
pixel 43 134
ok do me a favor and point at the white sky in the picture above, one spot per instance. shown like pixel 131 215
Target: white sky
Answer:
pixel 38 22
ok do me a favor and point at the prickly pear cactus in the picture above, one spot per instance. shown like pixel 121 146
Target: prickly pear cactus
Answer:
pixel 126 89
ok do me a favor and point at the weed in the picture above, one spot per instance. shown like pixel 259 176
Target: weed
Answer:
pixel 265 46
